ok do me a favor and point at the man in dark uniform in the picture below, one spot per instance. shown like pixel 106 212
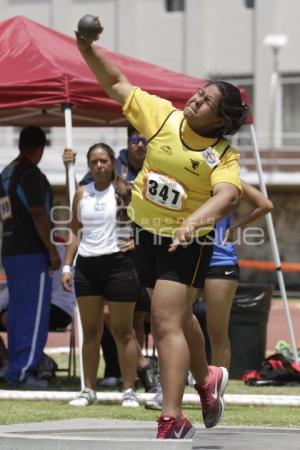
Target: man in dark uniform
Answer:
pixel 27 255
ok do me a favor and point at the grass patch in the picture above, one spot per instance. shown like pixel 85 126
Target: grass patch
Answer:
pixel 38 411
pixel 267 416
pixel 17 411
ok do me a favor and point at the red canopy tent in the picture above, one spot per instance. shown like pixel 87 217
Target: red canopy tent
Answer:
pixel 42 69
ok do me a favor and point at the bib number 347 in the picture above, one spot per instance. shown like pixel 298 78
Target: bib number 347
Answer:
pixel 164 191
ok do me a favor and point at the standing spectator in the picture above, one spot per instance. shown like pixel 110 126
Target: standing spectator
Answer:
pixel 27 255
pixel 61 312
pixel 189 181
pixel 127 166
pixel 130 159
pixel 103 272
pixel 222 277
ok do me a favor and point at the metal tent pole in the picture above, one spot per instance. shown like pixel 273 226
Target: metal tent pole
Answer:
pixel 274 246
pixel 72 187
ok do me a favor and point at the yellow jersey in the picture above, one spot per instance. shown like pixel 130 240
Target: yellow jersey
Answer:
pixel 180 167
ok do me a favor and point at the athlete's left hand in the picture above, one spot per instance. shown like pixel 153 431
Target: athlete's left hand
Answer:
pixel 126 245
pixel 182 236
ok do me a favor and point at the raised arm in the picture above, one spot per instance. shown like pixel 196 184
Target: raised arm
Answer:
pixel 68 157
pixel 114 82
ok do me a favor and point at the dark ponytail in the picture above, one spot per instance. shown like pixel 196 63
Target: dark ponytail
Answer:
pixel 231 108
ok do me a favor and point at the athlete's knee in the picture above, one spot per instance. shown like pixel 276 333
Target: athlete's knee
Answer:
pixel 91 334
pixel 122 333
pixel 162 325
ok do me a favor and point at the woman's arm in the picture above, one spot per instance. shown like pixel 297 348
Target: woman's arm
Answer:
pixel 225 197
pixel 261 205
pixel 72 245
pixel 114 82
pixel 42 224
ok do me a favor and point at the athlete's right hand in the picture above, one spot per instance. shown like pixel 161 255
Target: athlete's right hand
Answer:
pixel 69 156
pixel 82 44
pixel 66 281
pixel 182 237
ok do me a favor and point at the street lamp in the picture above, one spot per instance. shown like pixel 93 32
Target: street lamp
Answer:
pixel 275 42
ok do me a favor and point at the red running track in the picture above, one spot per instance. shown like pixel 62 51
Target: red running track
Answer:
pixel 277 328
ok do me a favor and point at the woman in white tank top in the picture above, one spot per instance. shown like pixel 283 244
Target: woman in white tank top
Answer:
pixel 103 273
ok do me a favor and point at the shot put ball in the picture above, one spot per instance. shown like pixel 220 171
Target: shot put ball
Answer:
pixel 89 27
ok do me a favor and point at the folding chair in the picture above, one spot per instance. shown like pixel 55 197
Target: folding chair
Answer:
pixel 71 367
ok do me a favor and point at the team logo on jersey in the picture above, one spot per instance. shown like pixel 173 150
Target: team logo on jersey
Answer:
pixel 195 164
pixel 100 206
pixel 194 167
pixel 210 157
pixel 167 149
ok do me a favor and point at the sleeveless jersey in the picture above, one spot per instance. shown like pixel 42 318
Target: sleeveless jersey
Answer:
pixel 97 213
pixel 174 181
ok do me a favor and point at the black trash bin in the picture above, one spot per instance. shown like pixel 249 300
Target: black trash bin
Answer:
pixel 248 327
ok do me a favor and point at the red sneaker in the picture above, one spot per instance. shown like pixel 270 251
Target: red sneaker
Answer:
pixel 211 395
pixel 171 428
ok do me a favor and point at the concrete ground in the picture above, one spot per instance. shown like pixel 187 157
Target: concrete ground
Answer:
pixel 92 434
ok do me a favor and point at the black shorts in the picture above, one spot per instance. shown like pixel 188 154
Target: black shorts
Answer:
pixel 111 276
pixel 186 265
pixel 224 272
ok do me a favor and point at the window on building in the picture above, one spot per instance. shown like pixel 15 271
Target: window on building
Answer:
pixel 290 86
pixel 249 3
pixel 174 5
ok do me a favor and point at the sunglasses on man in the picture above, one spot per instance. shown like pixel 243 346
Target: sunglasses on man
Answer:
pixel 136 139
